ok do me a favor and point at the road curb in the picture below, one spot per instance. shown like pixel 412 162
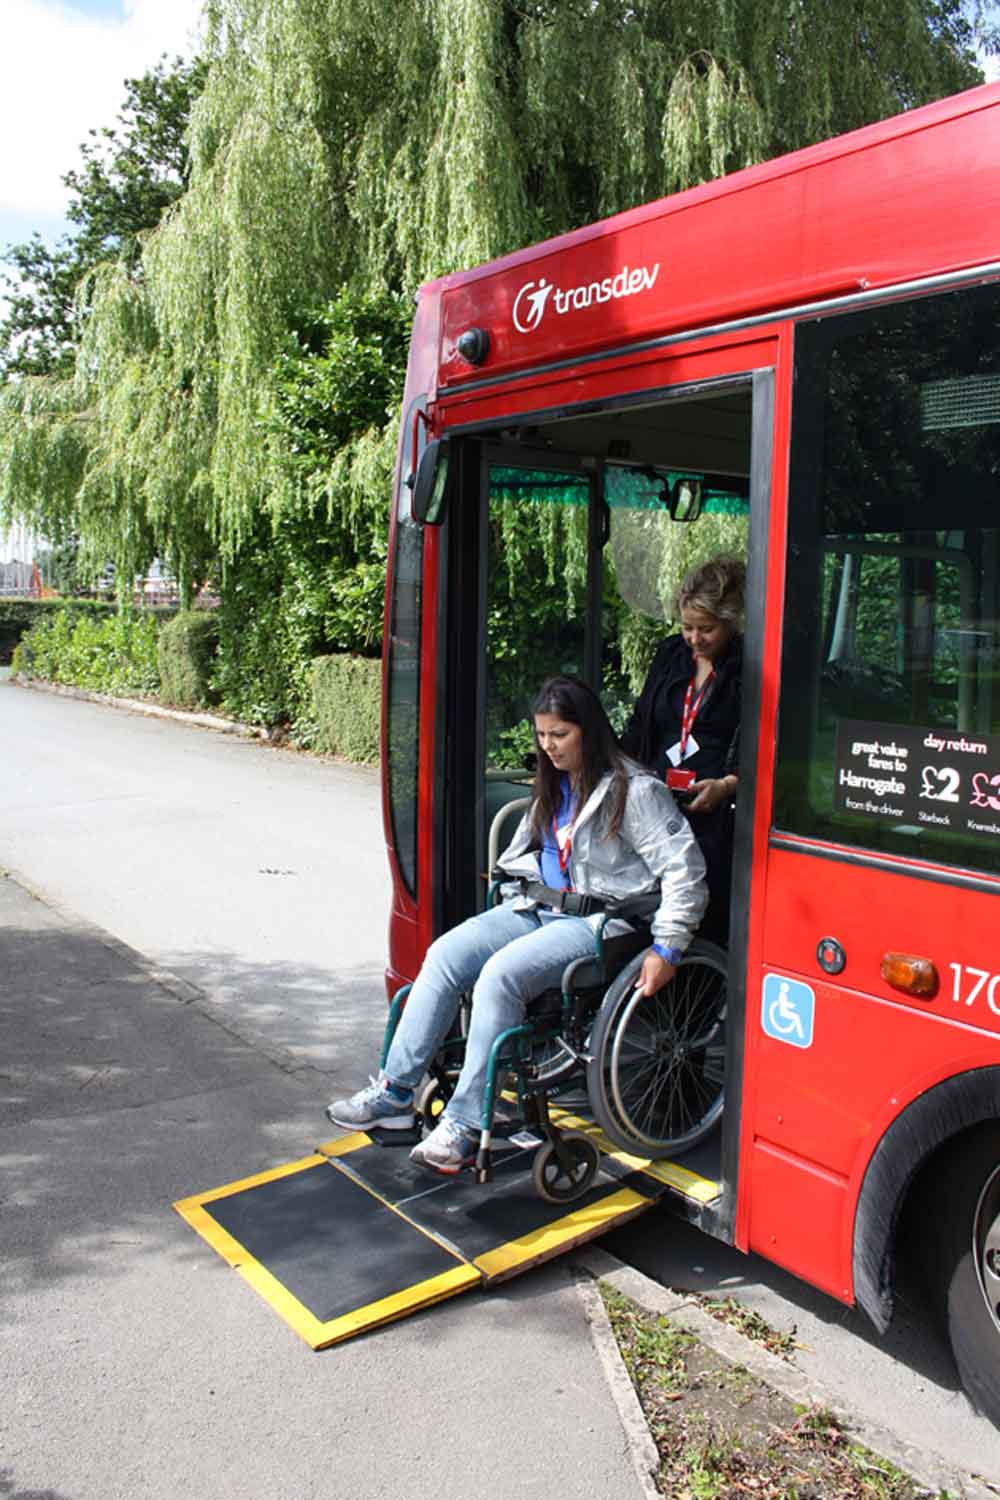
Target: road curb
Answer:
pixel 641 1449
pixel 926 1468
pixel 142 706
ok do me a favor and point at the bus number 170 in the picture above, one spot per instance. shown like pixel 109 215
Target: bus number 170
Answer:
pixel 969 984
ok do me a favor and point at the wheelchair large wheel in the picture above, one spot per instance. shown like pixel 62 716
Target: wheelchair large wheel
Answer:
pixel 656 1078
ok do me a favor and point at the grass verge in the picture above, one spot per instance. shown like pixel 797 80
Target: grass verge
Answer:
pixel 723 1434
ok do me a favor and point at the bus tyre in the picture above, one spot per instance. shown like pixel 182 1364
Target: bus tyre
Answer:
pixel 964 1260
pixel 656 1075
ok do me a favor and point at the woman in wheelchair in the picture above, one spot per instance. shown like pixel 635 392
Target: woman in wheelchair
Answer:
pixel 600 830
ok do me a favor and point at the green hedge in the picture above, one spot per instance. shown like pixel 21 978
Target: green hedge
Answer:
pixel 17 616
pixel 186 652
pixel 346 699
pixel 112 653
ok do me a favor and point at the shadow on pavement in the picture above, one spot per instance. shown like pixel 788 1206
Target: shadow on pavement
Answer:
pixel 8 1489
pixel 116 1098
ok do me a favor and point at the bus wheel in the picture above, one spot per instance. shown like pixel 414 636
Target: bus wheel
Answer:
pixel 656 1077
pixel 964 1258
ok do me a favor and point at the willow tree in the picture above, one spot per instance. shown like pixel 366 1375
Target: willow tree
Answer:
pixel 381 142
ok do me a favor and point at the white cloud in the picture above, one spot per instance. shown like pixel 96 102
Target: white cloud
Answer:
pixel 63 73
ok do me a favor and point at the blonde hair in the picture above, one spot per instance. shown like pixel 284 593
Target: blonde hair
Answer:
pixel 716 587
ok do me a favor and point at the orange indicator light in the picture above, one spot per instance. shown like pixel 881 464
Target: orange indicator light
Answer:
pixel 910 975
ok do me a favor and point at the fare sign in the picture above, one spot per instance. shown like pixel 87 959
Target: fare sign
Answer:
pixel 901 773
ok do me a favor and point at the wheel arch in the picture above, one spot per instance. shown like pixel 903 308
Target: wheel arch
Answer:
pixel 929 1122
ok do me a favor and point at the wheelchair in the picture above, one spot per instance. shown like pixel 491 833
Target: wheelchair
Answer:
pixel 653 1068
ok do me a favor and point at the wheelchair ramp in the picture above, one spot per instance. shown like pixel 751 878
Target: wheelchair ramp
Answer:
pixel 355 1235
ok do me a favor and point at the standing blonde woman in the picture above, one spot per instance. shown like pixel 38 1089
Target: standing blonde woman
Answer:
pixel 686 723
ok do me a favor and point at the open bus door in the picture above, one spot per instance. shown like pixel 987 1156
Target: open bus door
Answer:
pixel 564 537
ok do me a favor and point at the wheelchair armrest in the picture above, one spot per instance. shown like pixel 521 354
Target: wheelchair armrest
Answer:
pixel 497 877
pixel 599 968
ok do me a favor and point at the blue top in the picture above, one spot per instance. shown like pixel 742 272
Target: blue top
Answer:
pixel 548 857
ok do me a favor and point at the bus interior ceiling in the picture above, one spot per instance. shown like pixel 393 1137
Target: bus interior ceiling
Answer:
pixel 707 432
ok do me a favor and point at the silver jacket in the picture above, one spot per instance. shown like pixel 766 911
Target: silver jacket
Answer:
pixel 655 847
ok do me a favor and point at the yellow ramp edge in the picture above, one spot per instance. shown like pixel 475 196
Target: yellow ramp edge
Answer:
pixel 342 1144
pixel 552 1239
pixel 689 1184
pixel 397 1305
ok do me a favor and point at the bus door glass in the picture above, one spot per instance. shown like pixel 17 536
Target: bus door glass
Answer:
pixel 887 792
pixel 535 615
pixel 648 552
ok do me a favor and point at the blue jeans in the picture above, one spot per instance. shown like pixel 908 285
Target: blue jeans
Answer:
pixel 505 958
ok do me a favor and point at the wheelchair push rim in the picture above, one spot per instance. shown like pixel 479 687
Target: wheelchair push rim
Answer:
pixel 656 1079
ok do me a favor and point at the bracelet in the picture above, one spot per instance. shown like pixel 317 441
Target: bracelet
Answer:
pixel 670 955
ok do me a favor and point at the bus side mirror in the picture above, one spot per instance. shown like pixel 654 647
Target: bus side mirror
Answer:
pixel 430 488
pixel 685 500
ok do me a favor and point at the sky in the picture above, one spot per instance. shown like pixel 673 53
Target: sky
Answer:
pixel 63 73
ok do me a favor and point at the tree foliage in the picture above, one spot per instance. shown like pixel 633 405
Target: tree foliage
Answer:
pixel 384 141
pixel 65 454
pixel 371 144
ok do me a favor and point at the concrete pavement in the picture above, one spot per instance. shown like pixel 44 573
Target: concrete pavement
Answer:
pixel 134 1363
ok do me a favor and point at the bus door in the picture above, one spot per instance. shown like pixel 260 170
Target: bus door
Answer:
pixel 874 1016
pixel 567 536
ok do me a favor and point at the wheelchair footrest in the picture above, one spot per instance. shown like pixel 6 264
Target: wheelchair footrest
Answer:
pixel 396 1137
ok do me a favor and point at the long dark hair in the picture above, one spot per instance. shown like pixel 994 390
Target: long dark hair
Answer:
pixel 574 702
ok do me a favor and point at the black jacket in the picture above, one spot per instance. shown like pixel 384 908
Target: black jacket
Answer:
pixel 655 723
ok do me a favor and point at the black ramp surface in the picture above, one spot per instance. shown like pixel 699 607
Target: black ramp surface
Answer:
pixel 333 1245
pixel 388 1170
pixel 479 1217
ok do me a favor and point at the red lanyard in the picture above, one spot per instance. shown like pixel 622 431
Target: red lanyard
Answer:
pixel 563 855
pixel 691 709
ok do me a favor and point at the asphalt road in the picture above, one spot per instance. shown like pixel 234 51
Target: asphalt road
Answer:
pixel 258 875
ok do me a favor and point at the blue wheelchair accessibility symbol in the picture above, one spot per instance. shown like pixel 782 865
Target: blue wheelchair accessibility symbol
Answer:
pixel 788 1010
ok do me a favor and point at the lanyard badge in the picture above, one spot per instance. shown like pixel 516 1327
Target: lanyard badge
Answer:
pixel 687 744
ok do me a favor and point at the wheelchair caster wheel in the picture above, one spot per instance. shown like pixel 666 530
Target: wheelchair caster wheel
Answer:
pixel 552 1180
pixel 430 1102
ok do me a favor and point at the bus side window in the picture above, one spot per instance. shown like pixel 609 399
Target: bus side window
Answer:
pixel 890 720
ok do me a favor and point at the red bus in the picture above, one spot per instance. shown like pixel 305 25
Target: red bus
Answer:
pixel 800 361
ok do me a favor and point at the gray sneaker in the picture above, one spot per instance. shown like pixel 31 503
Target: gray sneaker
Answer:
pixel 448 1148
pixel 373 1105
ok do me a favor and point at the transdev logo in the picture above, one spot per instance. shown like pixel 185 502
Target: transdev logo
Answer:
pixel 536 297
